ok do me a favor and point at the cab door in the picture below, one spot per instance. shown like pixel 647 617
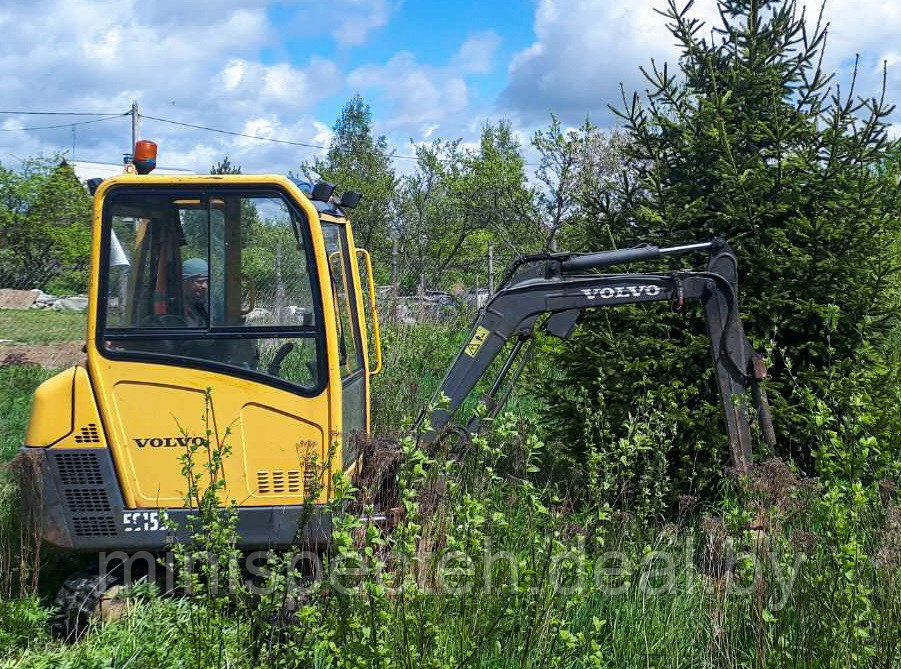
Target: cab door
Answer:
pixel 352 355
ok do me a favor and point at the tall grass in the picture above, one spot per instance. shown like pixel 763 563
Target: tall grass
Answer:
pixel 490 569
pixel 493 564
pixel 17 384
pixel 19 555
pixel 416 359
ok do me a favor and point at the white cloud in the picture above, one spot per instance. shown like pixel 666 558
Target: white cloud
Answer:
pixel 233 74
pixel 195 62
pixel 476 54
pixel 358 19
pixel 416 94
pixel 349 23
pixel 323 133
pixel 583 49
pixel 280 84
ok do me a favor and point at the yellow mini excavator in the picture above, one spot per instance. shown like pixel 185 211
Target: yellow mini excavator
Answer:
pixel 250 286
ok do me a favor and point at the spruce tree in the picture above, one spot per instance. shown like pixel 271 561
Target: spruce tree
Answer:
pixel 225 166
pixel 747 139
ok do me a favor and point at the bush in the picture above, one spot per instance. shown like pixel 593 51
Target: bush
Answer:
pixel 45 227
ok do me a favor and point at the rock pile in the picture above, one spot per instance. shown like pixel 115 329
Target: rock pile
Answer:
pixel 38 299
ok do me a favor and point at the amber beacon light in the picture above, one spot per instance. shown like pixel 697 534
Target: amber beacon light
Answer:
pixel 145 156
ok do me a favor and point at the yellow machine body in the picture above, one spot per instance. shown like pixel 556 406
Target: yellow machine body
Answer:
pixel 157 378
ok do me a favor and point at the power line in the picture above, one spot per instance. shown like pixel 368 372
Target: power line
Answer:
pixel 164 120
pixel 38 113
pixel 258 137
pixel 65 125
pixel 275 140
pixel 270 139
pixel 235 134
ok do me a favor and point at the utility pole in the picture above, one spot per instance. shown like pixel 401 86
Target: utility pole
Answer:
pixel 134 125
pixel 490 270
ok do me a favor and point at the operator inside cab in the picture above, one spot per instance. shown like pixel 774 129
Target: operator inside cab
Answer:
pixel 196 288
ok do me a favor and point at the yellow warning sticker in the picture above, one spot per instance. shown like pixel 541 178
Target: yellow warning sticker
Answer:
pixel 472 348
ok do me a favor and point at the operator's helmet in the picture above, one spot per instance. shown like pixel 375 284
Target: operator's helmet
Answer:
pixel 195 268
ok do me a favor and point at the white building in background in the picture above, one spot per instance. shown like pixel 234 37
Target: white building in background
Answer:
pixel 87 170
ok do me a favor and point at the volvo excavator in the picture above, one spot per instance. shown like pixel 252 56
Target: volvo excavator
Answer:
pixel 243 295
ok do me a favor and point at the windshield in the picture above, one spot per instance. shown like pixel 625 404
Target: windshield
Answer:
pixel 216 277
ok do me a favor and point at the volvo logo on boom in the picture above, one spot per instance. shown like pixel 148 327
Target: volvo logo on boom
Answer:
pixel 609 292
pixel 170 442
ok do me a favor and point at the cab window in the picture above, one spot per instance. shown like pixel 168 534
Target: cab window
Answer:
pixel 221 278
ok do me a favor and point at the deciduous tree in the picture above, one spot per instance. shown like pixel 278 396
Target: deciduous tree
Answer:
pixel 45 227
pixel 356 160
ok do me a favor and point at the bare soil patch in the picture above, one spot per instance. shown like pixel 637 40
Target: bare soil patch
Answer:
pixel 62 354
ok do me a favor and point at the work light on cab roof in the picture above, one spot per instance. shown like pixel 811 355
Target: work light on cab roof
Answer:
pixel 145 156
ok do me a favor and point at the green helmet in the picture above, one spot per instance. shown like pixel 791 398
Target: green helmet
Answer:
pixel 195 267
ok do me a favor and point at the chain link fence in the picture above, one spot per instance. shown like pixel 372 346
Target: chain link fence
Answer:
pixel 41 329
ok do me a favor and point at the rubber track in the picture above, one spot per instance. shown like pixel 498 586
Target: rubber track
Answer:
pixel 76 602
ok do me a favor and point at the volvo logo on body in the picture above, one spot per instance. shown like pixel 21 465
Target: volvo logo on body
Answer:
pixel 170 442
pixel 610 292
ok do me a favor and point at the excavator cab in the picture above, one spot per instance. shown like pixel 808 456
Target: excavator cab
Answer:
pixel 225 303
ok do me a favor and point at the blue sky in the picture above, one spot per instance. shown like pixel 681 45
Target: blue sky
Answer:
pixel 284 69
pixel 434 32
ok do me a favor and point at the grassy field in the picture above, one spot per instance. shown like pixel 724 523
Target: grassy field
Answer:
pixel 496 566
pixel 41 326
pixel 17 383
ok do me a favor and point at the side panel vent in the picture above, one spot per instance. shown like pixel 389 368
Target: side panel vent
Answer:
pixel 88 435
pixel 263 483
pixel 87 500
pixel 84 492
pixel 79 469
pixel 279 482
pixel 94 526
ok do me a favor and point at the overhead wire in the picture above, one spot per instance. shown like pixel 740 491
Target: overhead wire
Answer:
pixel 54 113
pixel 195 126
pixel 65 125
pixel 258 137
pixel 276 140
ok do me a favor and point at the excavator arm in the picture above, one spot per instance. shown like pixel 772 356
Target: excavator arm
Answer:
pixel 559 287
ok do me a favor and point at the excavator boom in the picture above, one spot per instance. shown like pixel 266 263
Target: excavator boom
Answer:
pixel 557 286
